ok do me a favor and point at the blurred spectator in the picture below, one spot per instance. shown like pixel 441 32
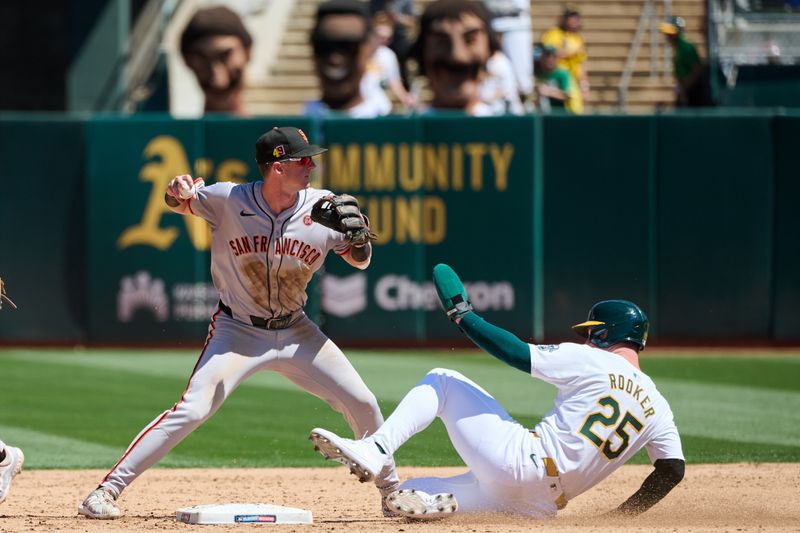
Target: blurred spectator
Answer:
pixel 383 71
pixel 773 53
pixel 499 85
pixel 511 21
pixel 766 6
pixel 691 74
pixel 555 87
pixel 451 50
pixel 571 51
pixel 342 48
pixel 216 46
pixel 404 26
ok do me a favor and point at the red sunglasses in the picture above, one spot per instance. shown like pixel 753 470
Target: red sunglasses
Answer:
pixel 304 161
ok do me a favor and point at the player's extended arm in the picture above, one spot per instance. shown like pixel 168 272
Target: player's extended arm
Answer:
pixel 496 341
pixel 667 474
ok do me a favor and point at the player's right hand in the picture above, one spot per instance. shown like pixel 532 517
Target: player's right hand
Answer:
pixel 174 187
pixel 179 185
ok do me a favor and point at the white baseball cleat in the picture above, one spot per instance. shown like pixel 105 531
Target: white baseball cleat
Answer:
pixel 418 505
pixel 100 504
pixel 10 467
pixel 362 457
pixel 385 493
pixel 386 510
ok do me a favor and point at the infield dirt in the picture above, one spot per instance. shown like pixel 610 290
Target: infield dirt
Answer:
pixel 712 498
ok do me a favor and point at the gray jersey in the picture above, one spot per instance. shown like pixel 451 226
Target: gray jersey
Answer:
pixel 261 262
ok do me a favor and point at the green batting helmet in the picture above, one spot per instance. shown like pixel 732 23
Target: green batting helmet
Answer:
pixel 613 321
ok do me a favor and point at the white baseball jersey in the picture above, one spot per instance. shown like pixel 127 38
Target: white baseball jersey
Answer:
pixel 512 19
pixel 381 70
pixel 606 410
pixel 498 88
pixel 261 262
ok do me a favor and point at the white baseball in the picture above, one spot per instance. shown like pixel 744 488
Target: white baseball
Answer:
pixel 186 192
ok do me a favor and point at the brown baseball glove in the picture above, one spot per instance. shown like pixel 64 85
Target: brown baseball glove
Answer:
pixel 4 296
pixel 341 213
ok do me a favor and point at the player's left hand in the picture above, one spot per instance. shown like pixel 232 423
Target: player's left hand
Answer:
pixel 341 213
pixel 451 292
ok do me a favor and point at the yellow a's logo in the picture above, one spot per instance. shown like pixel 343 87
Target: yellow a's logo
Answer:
pixel 167 160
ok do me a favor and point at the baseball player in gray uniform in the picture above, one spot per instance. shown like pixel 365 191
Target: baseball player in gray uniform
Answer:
pixel 265 248
pixel 605 411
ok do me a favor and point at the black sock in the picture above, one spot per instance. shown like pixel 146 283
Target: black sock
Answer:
pixel 3 455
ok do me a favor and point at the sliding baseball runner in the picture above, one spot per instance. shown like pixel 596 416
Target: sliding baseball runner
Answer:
pixel 606 410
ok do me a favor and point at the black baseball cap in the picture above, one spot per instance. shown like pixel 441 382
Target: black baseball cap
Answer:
pixel 279 144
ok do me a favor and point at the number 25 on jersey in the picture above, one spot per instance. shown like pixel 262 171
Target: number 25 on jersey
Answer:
pixel 598 417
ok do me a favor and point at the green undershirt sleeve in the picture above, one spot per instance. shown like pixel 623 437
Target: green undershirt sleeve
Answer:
pixel 498 342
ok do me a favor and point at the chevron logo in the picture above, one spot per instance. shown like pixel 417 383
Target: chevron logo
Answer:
pixel 343 297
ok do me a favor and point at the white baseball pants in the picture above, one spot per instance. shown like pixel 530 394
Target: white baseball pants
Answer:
pixel 506 462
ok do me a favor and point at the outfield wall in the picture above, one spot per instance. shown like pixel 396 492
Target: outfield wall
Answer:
pixel 692 216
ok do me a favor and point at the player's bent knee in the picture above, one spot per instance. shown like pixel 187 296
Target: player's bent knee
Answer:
pixel 368 404
pixel 440 372
pixel 363 402
pixel 195 414
pixel 360 396
pixel 446 373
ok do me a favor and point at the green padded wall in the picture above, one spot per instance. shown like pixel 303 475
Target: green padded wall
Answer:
pixel 715 208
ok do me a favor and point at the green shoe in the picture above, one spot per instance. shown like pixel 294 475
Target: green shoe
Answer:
pixel 451 292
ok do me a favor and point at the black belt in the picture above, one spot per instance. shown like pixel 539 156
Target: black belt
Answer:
pixel 279 322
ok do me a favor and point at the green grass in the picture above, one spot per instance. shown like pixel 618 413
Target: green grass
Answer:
pixel 81 408
pixel 772 373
